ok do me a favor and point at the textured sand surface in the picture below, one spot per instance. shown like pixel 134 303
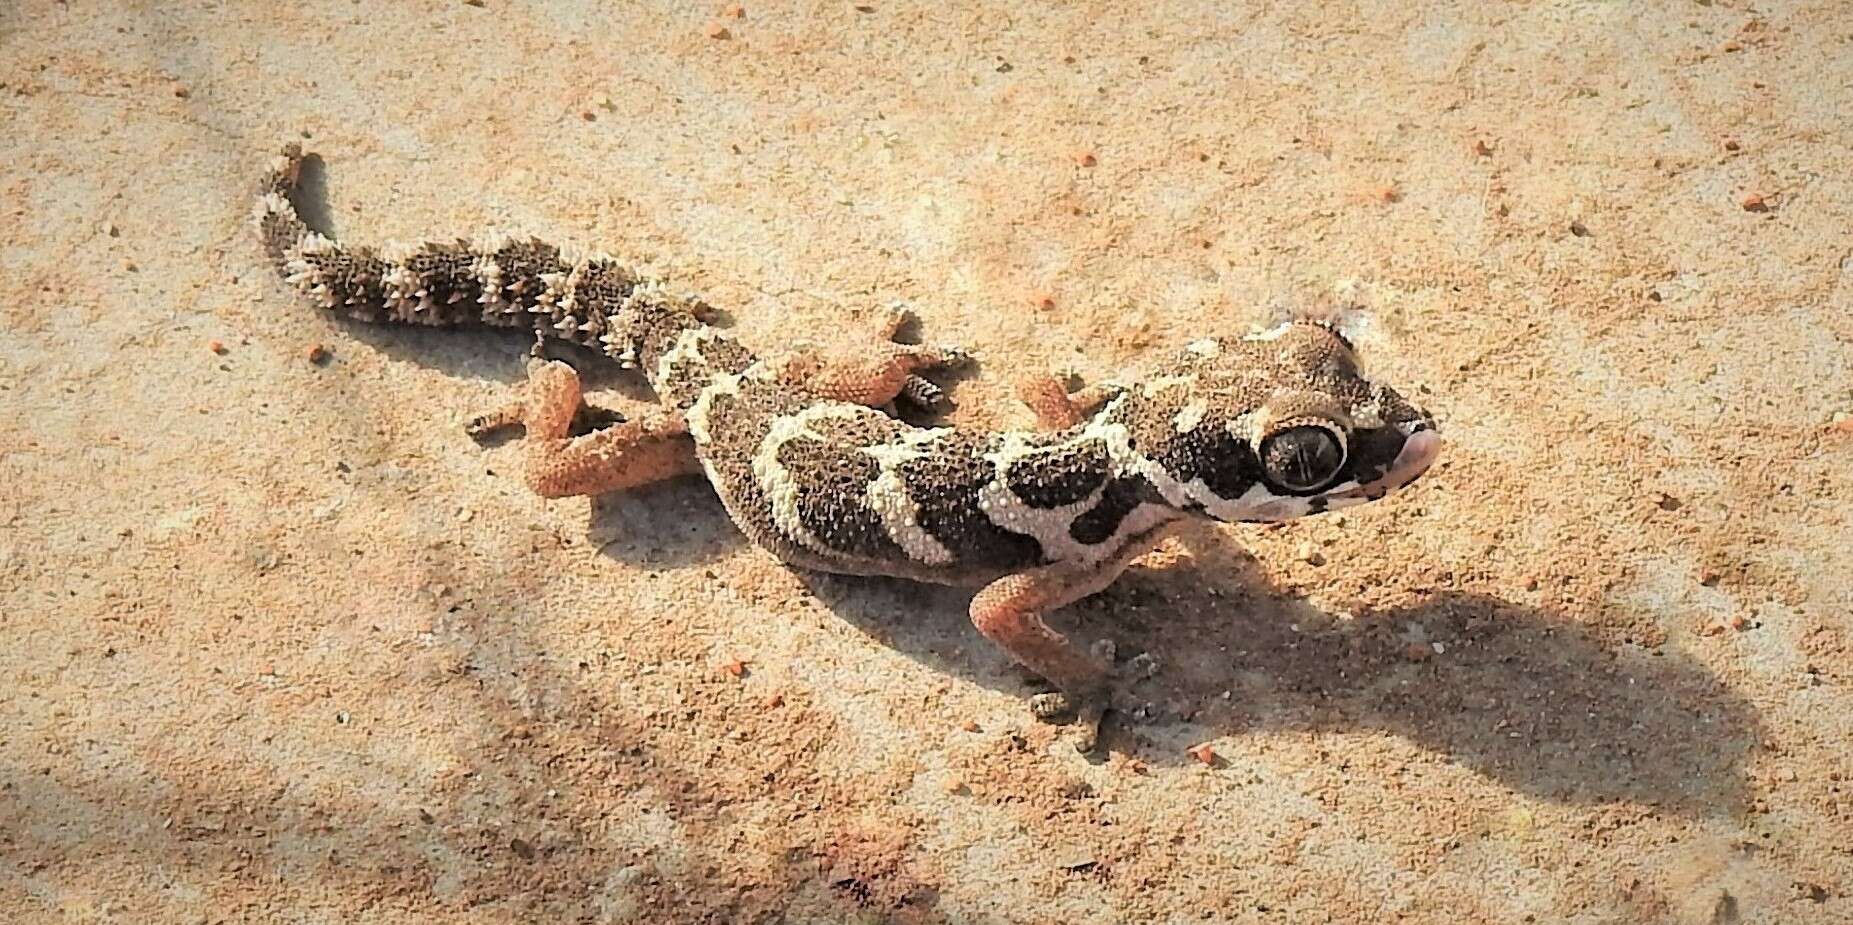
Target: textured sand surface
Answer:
pixel 279 643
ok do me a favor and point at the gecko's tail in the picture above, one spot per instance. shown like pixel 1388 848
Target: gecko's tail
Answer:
pixel 590 300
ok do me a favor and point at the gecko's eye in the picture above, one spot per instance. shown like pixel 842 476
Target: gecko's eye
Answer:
pixel 1303 457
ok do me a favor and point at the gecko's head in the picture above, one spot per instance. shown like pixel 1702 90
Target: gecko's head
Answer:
pixel 1274 426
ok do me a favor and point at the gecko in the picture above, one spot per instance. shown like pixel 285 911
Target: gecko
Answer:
pixel 813 465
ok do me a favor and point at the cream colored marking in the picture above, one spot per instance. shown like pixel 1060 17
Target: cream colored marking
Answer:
pixel 687 347
pixel 1049 526
pixel 899 512
pixel 1270 334
pixel 1205 347
pixel 1190 415
pixel 723 385
pixel 1155 385
pixel 1245 427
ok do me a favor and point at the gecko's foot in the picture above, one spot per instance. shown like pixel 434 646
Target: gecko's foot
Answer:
pixel 1082 713
pixel 484 426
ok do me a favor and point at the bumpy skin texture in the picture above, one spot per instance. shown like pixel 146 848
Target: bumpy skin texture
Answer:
pixel 1263 427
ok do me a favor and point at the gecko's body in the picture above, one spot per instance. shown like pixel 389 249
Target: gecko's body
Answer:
pixel 1265 427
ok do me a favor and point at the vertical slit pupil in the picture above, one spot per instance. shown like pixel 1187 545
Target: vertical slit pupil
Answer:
pixel 1302 458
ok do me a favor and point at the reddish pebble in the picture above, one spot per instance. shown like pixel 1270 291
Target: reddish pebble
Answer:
pixel 1730 144
pixel 1755 202
pixel 216 346
pixel 1043 300
pixel 1481 148
pixel 1386 193
pixel 969 726
pixel 1085 158
pixel 317 354
pixel 1203 753
pixel 773 702
pixel 737 668
pixel 735 11
pixel 1711 629
pixel 1739 622
pixel 718 31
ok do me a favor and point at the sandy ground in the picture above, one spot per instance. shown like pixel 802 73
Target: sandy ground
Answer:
pixel 281 644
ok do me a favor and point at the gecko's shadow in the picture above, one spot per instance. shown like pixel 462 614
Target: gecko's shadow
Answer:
pixel 1521 695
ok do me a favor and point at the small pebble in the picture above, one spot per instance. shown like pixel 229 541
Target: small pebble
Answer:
pixel 1043 300
pixel 1730 144
pixel 970 726
pixel 1203 753
pixel 216 346
pixel 1417 652
pixel 773 702
pixel 737 668
pixel 1310 554
pixel 1481 148
pixel 718 31
pixel 734 10
pixel 1085 159
pixel 1579 229
pixel 317 354
pixel 1386 193
pixel 1755 202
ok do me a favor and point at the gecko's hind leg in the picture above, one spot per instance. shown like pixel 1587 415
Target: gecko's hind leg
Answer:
pixel 649 448
pixel 1009 613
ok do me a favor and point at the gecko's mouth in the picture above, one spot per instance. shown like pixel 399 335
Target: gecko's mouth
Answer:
pixel 1418 453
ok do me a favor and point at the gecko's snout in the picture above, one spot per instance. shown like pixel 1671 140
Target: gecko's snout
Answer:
pixel 1418 453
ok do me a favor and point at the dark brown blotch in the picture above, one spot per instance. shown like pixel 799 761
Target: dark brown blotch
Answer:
pixel 1059 476
pixel 833 482
pixel 946 483
pixel 1120 498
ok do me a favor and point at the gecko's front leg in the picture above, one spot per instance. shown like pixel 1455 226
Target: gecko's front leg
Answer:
pixel 1056 408
pixel 1009 613
pixel 876 371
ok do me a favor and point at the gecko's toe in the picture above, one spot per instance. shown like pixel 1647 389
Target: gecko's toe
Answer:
pixel 484 426
pixel 1083 713
pixel 955 356
pixel 923 394
pixel 1052 707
